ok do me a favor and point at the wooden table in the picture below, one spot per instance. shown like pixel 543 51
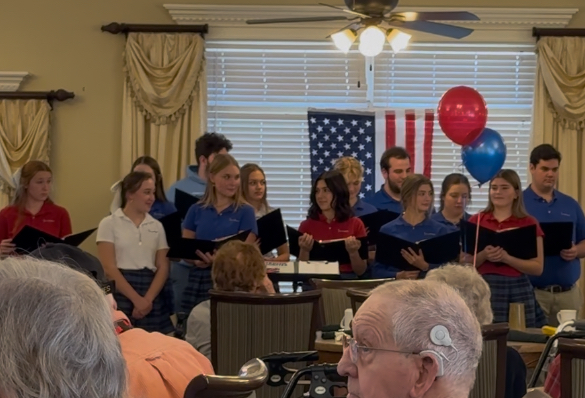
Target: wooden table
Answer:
pixel 331 351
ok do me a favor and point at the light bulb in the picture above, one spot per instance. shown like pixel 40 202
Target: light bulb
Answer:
pixel 398 40
pixel 344 39
pixel 372 41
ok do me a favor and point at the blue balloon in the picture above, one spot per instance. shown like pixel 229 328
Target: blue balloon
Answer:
pixel 485 156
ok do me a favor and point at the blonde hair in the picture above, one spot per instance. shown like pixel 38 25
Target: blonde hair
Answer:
pixel 220 162
pixel 349 167
pixel 410 188
pixel 510 176
pixel 472 288
pixel 238 266
pixel 27 173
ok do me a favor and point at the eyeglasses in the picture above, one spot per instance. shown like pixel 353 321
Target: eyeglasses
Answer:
pixel 355 348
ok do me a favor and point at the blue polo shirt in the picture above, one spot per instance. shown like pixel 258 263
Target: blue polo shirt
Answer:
pixel 208 224
pixel 562 208
pixel 440 218
pixel 160 209
pixel 362 208
pixel 382 201
pixel 399 228
pixel 192 184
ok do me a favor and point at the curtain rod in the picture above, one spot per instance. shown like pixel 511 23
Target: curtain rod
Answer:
pixel 49 96
pixel 543 32
pixel 117 28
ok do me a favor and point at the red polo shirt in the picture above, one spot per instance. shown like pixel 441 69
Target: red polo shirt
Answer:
pixel 51 219
pixel 322 230
pixel 488 221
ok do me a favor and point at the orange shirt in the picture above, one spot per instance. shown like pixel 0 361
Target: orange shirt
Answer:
pixel 159 366
pixel 51 219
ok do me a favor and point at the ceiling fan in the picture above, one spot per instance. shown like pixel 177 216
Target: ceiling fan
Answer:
pixel 373 16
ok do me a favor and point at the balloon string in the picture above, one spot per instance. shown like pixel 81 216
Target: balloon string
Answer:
pixel 476 237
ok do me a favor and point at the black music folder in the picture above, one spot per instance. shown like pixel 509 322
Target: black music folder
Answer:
pixel 172 224
pixel 325 250
pixel 271 231
pixel 557 236
pixel 184 201
pixel 30 239
pixel 375 221
pixel 517 242
pixel 185 248
pixel 438 250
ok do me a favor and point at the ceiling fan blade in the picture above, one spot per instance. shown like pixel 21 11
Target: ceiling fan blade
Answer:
pixel 434 28
pixel 293 20
pixel 437 16
pixel 342 29
pixel 345 10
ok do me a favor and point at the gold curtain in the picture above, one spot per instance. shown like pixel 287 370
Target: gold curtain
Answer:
pixel 165 100
pixel 24 136
pixel 559 110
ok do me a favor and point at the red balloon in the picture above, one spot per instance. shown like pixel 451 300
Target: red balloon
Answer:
pixel 462 114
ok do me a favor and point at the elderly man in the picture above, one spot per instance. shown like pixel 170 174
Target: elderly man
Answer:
pixel 412 339
pixel 56 335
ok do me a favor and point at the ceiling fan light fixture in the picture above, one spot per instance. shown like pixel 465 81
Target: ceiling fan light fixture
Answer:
pixel 398 40
pixel 344 39
pixel 372 41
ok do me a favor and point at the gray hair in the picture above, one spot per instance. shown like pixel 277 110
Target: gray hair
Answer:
pixel 57 337
pixel 418 306
pixel 470 285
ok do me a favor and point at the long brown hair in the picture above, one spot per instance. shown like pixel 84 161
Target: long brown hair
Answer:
pixel 510 176
pixel 410 188
pixel 27 173
pixel 448 182
pixel 132 183
pixel 220 162
pixel 245 172
pixel 151 162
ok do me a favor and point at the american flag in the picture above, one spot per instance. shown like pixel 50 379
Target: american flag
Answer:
pixel 334 134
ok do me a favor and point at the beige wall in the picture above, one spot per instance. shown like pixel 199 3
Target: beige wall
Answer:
pixel 60 43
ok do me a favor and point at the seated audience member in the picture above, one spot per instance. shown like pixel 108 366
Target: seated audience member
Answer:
pixel 412 339
pixel 56 335
pixel 476 293
pixel 329 218
pixel 507 275
pixel 353 172
pixel 32 206
pixel 455 196
pixel 161 206
pixel 413 225
pixel 159 366
pixel 132 248
pixel 254 191
pixel 222 212
pixel 238 267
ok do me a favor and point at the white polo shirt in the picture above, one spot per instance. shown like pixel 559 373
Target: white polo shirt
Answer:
pixel 135 247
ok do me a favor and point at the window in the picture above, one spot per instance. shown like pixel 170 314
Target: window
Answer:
pixel 259 93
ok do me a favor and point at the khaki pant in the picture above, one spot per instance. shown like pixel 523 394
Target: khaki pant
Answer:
pixel 552 303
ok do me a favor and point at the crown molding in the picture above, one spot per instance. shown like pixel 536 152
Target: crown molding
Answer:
pixel 10 81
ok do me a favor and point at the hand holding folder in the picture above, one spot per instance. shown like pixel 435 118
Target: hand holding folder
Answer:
pixel 374 221
pixel 186 248
pixel 517 242
pixel 558 236
pixel 271 231
pixel 184 201
pixel 438 250
pixel 331 251
pixel 30 239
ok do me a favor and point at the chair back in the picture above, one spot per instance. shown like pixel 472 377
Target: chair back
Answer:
pixel 245 325
pixel 572 368
pixel 334 300
pixel 490 379
pixel 252 376
pixel 357 297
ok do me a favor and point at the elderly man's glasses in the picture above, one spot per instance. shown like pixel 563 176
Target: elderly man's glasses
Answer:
pixel 355 348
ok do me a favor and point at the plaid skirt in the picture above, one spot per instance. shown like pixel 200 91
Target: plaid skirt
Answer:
pixel 514 289
pixel 159 318
pixel 198 287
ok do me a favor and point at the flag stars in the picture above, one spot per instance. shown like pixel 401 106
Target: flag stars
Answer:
pixel 320 129
pixel 339 138
pixel 314 152
pixel 368 155
pixel 368 171
pixel 361 147
pixel 340 122
pixel 347 147
pixel 347 130
pixel 333 129
pixel 314 168
pixel 333 161
pixel 368 187
pixel 354 123
pixel 368 123
pixel 320 160
pixel 354 154
pixel 326 137
pixel 354 138
pixel 320 145
pixel 333 145
pixel 327 168
pixel 362 195
pixel 326 154
pixel 339 154
pixel 362 162
pixel 368 139
pixel 313 120
pixel 326 121
pixel 361 130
